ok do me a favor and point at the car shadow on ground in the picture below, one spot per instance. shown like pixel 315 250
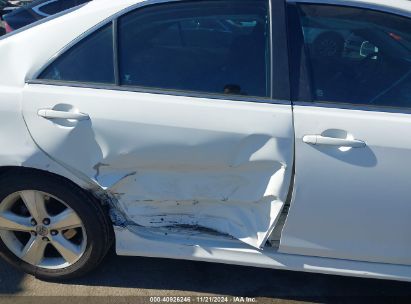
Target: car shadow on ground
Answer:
pixel 211 278
pixel 10 279
pixel 196 278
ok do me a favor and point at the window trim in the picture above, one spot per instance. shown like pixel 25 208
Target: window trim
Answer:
pixel 306 65
pixel 67 47
pixel 279 51
pixel 92 30
pixel 116 66
pixel 272 6
pixel 159 91
pixel 300 78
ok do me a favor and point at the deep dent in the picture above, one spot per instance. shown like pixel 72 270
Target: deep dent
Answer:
pixel 242 200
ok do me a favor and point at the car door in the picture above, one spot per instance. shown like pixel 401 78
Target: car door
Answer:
pixel 353 174
pixel 180 132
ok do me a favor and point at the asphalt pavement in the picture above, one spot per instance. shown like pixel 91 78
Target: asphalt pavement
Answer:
pixel 142 278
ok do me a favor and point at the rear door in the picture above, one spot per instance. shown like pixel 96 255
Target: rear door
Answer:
pixel 353 169
pixel 182 132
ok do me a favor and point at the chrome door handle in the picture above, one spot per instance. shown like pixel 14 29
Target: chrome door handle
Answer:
pixel 332 141
pixel 53 114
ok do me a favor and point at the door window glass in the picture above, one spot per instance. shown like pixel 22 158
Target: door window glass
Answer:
pixel 90 60
pixel 207 46
pixel 358 56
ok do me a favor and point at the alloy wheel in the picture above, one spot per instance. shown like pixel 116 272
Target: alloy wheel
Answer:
pixel 41 229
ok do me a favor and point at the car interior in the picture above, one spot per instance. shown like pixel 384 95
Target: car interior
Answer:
pixel 231 52
pixel 367 65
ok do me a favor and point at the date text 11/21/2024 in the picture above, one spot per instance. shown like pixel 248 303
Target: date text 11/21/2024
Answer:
pixel 202 299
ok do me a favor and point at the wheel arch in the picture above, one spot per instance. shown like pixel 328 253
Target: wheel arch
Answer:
pixel 91 192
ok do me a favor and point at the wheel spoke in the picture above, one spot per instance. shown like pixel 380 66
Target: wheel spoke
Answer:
pixel 69 251
pixel 41 229
pixel 14 222
pixel 35 203
pixel 65 220
pixel 33 251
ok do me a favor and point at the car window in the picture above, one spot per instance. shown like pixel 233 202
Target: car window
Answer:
pixel 208 46
pixel 52 7
pixel 358 56
pixel 90 60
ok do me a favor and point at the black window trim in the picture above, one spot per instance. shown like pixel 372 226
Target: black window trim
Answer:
pixel 115 53
pixel 280 73
pixel 307 99
pixel 279 91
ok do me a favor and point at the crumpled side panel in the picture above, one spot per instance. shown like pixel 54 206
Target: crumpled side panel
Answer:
pixel 242 199
pixel 174 161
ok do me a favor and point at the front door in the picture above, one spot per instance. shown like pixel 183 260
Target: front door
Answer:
pixel 353 146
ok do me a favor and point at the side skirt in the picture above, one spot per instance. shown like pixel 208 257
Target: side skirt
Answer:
pixel 198 246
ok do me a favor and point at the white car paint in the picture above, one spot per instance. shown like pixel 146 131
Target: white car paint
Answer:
pixel 145 242
pixel 356 189
pixel 248 181
pixel 242 164
pixel 56 34
pixel 17 146
pixel 171 160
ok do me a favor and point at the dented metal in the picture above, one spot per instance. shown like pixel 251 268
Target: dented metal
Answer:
pixel 158 160
pixel 175 161
pixel 224 201
pixel 207 178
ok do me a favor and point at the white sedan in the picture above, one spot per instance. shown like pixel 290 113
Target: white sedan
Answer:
pixel 266 133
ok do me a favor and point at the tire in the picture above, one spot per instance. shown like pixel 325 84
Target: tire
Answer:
pixel 94 220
